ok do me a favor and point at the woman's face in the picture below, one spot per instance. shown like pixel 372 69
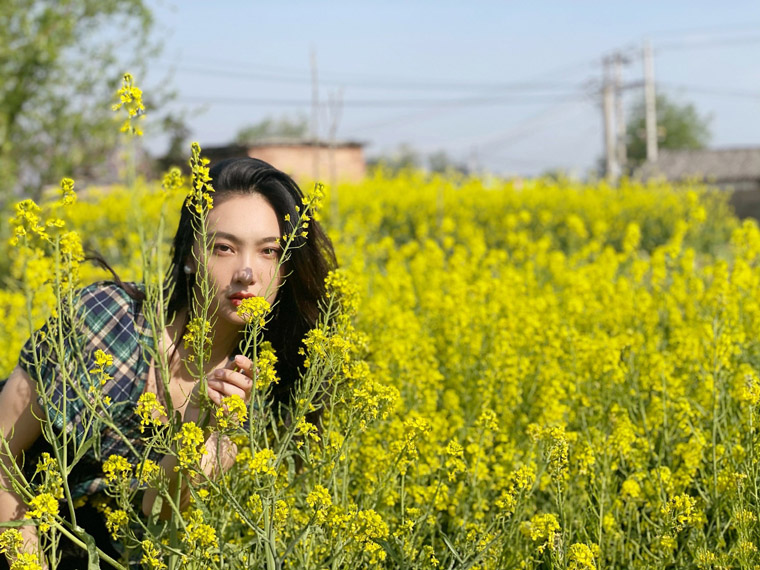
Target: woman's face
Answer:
pixel 243 254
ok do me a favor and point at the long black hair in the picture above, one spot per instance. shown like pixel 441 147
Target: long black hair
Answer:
pixel 309 260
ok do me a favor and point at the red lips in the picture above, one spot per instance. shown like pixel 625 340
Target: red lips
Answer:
pixel 237 298
pixel 242 295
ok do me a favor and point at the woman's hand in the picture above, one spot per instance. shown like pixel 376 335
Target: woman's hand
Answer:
pixel 219 457
pixel 234 379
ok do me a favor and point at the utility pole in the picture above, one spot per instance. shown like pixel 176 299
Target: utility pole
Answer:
pixel 314 114
pixel 621 155
pixel 612 168
pixel 650 98
pixel 335 109
pixel 473 162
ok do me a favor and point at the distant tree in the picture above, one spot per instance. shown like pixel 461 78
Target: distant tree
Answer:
pixel 441 162
pixel 406 157
pixel 679 125
pixel 60 63
pixel 558 175
pixel 284 127
pixel 403 158
pixel 176 128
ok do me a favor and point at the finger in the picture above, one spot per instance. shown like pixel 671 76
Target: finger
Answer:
pixel 245 364
pixel 232 377
pixel 226 388
pixel 215 395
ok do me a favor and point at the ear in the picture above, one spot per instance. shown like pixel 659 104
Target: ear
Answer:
pixel 189 267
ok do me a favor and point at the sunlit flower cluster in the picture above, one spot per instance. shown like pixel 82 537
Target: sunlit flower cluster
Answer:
pixel 232 413
pixel 130 99
pixel 190 443
pixel 150 411
pixel 253 310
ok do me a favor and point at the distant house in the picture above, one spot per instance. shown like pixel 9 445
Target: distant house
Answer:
pixel 736 170
pixel 305 161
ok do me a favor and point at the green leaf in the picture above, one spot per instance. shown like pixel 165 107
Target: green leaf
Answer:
pixel 156 510
pixel 81 451
pixel 93 560
pixel 451 547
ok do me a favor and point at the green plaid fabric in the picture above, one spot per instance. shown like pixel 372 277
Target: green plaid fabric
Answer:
pixel 107 319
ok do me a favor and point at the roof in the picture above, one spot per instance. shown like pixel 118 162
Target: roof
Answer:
pixel 715 164
pixel 294 141
pixel 242 150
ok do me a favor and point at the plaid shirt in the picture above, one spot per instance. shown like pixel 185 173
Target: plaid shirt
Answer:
pixel 106 319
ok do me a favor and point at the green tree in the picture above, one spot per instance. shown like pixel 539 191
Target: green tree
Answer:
pixel 679 126
pixel 284 127
pixel 404 157
pixel 442 163
pixel 175 126
pixel 60 63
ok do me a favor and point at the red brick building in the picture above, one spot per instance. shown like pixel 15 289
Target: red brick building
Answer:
pixel 305 161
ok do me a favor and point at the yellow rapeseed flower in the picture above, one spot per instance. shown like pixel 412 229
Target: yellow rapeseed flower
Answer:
pixel 26 561
pixel 253 310
pixel 191 446
pixel 68 196
pixel 11 542
pixel 198 337
pixel 319 498
pixel 232 413
pixel 130 98
pixel 541 529
pixel 151 557
pixel 43 507
pixel 150 411
pixel 266 371
pixel 199 198
pixel 198 537
pixel 263 462
pixel 116 521
pixel 580 557
pixel 117 469
pixel 148 471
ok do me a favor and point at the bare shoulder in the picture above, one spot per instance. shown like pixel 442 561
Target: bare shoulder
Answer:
pixel 19 411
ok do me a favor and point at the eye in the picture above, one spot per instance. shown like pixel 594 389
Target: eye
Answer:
pixel 222 248
pixel 273 252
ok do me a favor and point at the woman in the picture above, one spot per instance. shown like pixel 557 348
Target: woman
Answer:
pixel 254 205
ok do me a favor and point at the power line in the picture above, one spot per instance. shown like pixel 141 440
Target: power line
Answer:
pixel 507 99
pixel 706 43
pixel 723 29
pixel 378 82
pixel 527 162
pixel 436 111
pixel 710 91
pixel 405 119
pixel 518 133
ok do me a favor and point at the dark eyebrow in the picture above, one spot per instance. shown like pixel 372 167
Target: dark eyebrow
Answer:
pixel 236 240
pixel 224 235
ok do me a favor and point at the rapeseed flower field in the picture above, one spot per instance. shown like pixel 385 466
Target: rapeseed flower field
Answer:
pixel 535 375
pixel 513 374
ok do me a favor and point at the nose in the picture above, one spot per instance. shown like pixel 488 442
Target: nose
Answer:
pixel 244 275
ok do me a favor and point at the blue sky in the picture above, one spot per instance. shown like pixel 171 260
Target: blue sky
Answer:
pixel 510 87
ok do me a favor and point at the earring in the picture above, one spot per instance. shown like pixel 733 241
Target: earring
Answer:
pixel 187 269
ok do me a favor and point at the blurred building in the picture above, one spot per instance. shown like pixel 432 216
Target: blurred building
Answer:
pixel 305 161
pixel 736 170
